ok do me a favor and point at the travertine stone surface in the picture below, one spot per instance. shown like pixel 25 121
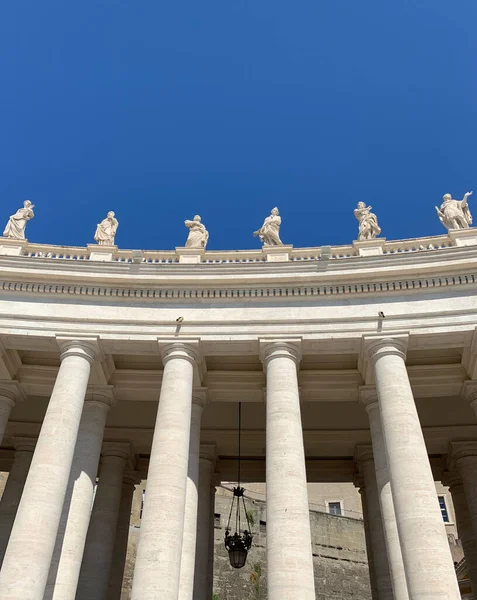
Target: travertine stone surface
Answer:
pixel 289 553
pixel 269 232
pixel 9 394
pixel 369 398
pixel 16 223
pixel 198 234
pixel 463 459
pixel 28 556
pixel 368 223
pixel 70 540
pixel 98 551
pixel 359 483
pixel 186 587
pixel 364 456
pixel 455 214
pixel 106 230
pixel 12 493
pixel 157 570
pixel 427 559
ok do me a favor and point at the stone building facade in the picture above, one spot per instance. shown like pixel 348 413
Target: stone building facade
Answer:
pixel 353 364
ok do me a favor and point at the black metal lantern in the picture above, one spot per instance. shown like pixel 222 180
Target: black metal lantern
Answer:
pixel 238 544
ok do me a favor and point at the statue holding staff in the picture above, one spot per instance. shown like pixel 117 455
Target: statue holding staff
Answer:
pixel 455 214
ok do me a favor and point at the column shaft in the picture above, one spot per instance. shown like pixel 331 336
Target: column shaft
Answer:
pixel 393 546
pixel 157 569
pixel 121 542
pixel 98 551
pixel 369 546
pixel 186 586
pixel 203 531
pixel 211 557
pixel 427 559
pixel 28 556
pixel 70 540
pixel 289 552
pixel 6 405
pixel 12 493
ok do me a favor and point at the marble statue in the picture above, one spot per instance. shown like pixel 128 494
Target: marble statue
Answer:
pixel 106 230
pixel 198 234
pixel 16 223
pixel 455 214
pixel 269 232
pixel 368 222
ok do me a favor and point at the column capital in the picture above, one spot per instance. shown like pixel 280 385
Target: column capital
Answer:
pixel 119 449
pixel 24 444
pixel 208 452
pixel 375 346
pixel 469 392
pixel 358 482
pixel 11 392
pixel 459 451
pixel 100 394
pixel 451 479
pixel 199 396
pixel 84 347
pixel 368 397
pixel 363 453
pixel 280 348
pixel 184 349
pixel 131 478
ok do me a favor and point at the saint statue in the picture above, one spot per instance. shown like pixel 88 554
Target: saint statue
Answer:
pixel 16 223
pixel 455 214
pixel 198 234
pixel 368 222
pixel 106 230
pixel 269 232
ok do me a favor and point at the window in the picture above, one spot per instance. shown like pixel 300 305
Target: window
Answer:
pixel 334 508
pixel 142 503
pixel 442 504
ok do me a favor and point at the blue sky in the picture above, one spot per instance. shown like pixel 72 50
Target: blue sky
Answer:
pixel 161 110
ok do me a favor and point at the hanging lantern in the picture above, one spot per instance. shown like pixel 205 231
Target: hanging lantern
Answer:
pixel 238 544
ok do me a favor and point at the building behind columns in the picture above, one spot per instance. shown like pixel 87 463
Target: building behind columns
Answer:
pixel 356 371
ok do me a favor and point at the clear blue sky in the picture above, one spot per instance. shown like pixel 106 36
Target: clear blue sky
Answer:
pixel 161 110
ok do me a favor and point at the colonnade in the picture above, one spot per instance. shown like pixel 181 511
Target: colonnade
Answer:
pixel 60 549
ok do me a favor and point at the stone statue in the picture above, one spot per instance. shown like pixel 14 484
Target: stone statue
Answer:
pixel 106 230
pixel 269 232
pixel 198 234
pixel 16 223
pixel 455 214
pixel 368 223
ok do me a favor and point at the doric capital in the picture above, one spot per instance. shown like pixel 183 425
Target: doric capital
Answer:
pixel 119 449
pixel 199 396
pixel 131 478
pixel 280 348
pixel 208 452
pixel 100 394
pixel 84 347
pixel 358 482
pixel 185 349
pixel 452 480
pixel 375 347
pixel 469 392
pixel 215 480
pixel 24 444
pixel 11 392
pixel 368 397
pixel 460 453
pixel 363 453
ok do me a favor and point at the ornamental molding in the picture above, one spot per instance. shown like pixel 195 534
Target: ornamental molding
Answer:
pixel 165 293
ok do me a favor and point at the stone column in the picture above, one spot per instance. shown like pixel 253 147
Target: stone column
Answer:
pixel 289 551
pixel 210 565
pixel 364 456
pixel 463 459
pixel 10 393
pixel 369 399
pixel 98 551
pixel 464 523
pixel 28 556
pixel 186 586
pixel 204 523
pixel 70 540
pixel 359 483
pixel 427 559
pixel 122 537
pixel 12 493
pixel 157 568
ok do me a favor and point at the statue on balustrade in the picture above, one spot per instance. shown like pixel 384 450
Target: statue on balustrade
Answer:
pixel 198 234
pixel 269 232
pixel 16 223
pixel 368 222
pixel 106 230
pixel 455 214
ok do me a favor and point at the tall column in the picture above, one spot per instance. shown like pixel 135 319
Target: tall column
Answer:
pixel 463 459
pixel 122 537
pixel 289 551
pixel 206 467
pixel 70 540
pixel 186 586
pixel 98 550
pixel 427 559
pixel 369 399
pixel 210 565
pixel 28 556
pixel 157 569
pixel 364 456
pixel 10 393
pixel 359 483
pixel 464 523
pixel 12 493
